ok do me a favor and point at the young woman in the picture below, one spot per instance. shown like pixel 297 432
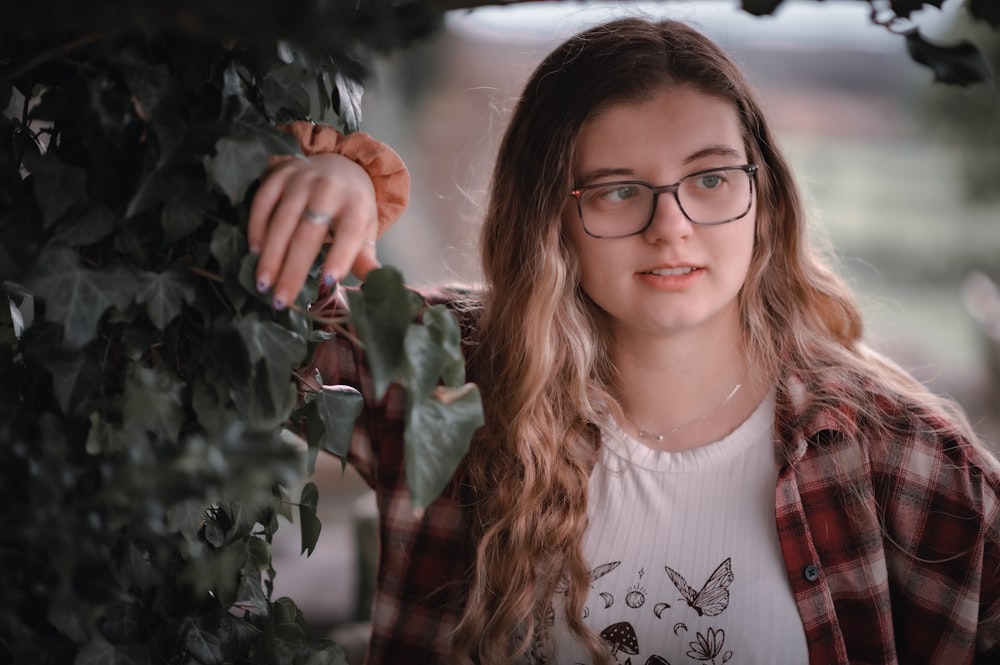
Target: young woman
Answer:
pixel 689 455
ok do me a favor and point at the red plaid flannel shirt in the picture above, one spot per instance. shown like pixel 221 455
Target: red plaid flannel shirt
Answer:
pixel 892 544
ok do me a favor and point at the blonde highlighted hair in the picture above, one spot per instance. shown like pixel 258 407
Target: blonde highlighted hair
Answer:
pixel 542 349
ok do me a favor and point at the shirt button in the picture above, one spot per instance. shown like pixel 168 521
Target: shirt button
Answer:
pixel 810 572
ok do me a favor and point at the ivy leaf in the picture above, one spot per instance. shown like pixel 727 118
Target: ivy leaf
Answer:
pixel 153 403
pixel 957 64
pixel 285 611
pixel 382 311
pixel 137 571
pixel 324 86
pixel 987 10
pixel 903 8
pixel 242 515
pixel 218 571
pixel 284 92
pixel 238 635
pixel 281 349
pixel 203 645
pixel 274 351
pixel 165 293
pixel 232 84
pixel 250 125
pixel 437 436
pixel 258 554
pixel 228 246
pixel 251 592
pixel 93 225
pixel 100 652
pixel 310 524
pixel 433 352
pixel 157 187
pixel 236 165
pixel 78 297
pixel 67 620
pixel 337 408
pixel 123 622
pixel 104 437
pixel 75 378
pixel 184 214
pixel 58 186
pixel 348 101
pixel 320 652
pixel 278 346
pixel 760 7
pixel 152 85
pixel 186 518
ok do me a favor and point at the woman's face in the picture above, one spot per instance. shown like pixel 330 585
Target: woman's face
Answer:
pixel 676 276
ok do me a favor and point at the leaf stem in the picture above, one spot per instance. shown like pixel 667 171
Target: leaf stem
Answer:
pixel 206 274
pixel 336 322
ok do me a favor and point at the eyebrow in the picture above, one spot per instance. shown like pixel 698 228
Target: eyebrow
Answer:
pixel 713 151
pixel 709 151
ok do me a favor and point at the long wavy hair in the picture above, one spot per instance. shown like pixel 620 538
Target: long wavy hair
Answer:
pixel 545 349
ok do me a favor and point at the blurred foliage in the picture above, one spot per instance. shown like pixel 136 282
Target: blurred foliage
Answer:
pixel 145 385
pixel 968 120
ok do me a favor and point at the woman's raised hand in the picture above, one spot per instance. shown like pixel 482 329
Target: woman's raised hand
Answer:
pixel 301 205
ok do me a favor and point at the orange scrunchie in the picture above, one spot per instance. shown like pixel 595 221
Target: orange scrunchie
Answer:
pixel 386 168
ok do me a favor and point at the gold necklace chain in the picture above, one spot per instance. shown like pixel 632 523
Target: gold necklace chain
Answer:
pixel 659 437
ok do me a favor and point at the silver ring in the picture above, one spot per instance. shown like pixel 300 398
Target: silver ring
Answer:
pixel 370 243
pixel 316 218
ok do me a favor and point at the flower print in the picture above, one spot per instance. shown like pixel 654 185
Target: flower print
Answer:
pixel 709 646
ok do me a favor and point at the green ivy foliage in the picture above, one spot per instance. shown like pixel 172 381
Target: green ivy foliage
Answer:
pixel 145 386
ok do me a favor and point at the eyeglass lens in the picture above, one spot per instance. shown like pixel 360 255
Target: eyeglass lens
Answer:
pixel 624 208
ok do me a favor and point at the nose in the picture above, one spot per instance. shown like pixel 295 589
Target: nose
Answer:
pixel 669 222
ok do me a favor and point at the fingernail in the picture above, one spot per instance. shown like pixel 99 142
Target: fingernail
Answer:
pixel 280 304
pixel 262 284
pixel 330 280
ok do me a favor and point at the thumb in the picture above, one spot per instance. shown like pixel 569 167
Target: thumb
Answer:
pixel 365 263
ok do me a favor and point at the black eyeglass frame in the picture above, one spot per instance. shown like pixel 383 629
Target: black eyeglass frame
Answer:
pixel 577 192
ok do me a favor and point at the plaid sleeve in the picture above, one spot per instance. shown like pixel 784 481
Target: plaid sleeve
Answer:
pixel 378 432
pixel 940 519
pixel 900 530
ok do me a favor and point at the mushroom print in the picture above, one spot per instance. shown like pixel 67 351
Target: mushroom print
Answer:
pixel 621 636
pixel 656 660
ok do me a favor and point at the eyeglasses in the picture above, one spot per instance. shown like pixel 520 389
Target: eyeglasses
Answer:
pixel 626 208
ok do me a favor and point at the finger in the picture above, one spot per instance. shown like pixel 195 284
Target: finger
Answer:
pixel 262 207
pixel 351 230
pixel 305 245
pixel 340 203
pixel 366 261
pixel 282 225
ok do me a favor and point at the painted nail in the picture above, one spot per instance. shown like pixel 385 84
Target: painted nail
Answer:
pixel 330 280
pixel 279 304
pixel 263 283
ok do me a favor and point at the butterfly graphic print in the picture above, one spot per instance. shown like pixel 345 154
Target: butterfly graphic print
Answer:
pixel 713 598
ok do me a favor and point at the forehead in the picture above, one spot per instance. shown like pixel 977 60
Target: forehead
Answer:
pixel 672 127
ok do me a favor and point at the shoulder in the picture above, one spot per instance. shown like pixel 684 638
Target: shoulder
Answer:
pixel 913 447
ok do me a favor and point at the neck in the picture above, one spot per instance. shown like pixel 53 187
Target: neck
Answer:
pixel 684 388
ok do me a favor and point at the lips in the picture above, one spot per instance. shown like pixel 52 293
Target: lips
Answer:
pixel 683 270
